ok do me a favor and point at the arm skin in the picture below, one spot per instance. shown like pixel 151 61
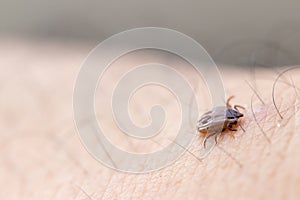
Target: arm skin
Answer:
pixel 269 170
pixel 42 157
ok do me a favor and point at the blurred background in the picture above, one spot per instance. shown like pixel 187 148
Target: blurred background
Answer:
pixel 240 33
pixel 43 44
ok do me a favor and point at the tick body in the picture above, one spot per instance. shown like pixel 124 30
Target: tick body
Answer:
pixel 219 119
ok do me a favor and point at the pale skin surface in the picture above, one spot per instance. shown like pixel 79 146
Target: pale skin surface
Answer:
pixel 42 157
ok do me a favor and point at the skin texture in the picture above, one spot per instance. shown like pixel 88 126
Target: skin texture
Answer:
pixel 43 158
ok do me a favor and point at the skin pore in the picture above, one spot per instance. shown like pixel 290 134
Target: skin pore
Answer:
pixel 42 156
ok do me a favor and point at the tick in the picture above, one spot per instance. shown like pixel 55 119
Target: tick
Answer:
pixel 219 119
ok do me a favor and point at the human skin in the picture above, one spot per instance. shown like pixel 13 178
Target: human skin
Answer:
pixel 42 156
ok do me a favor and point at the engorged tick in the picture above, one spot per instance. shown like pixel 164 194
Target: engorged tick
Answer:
pixel 219 119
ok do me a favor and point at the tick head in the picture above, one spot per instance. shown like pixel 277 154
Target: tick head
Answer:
pixel 231 114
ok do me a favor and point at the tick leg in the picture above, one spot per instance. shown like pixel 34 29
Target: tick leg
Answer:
pixel 228 101
pixel 204 143
pixel 236 107
pixel 216 137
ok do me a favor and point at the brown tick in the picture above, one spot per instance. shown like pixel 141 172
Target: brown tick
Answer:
pixel 219 119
